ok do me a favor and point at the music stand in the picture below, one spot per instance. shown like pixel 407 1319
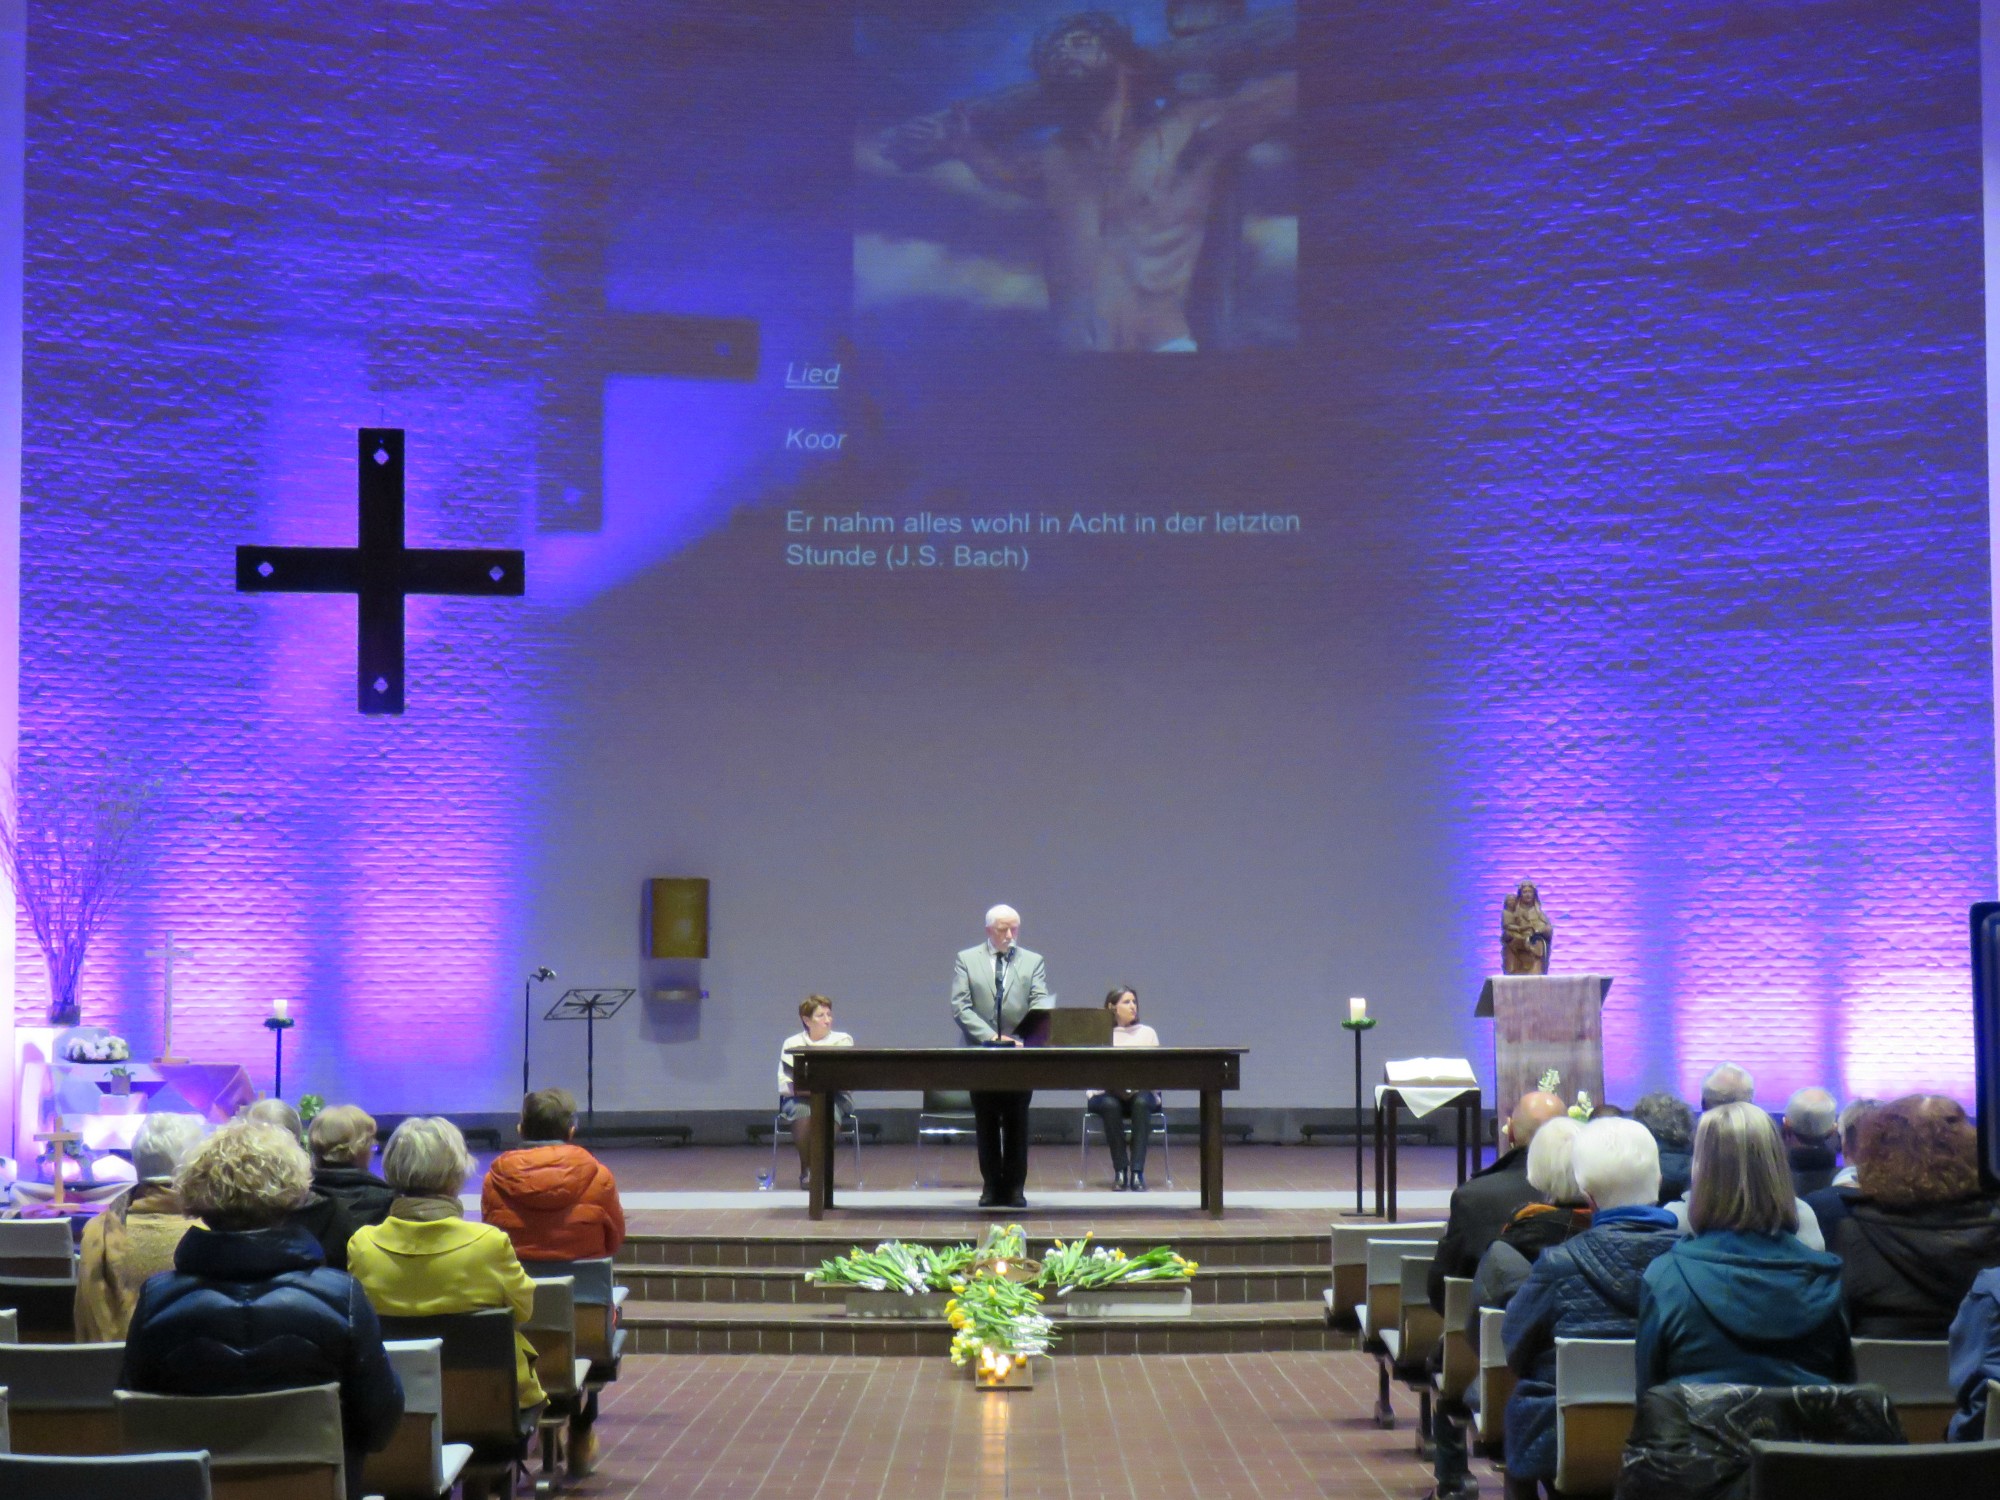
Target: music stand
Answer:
pixel 590 1007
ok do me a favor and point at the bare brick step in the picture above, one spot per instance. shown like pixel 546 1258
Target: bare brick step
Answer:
pixel 786 1285
pixel 808 1328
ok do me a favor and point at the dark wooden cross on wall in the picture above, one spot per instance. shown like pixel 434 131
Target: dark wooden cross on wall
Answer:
pixel 381 572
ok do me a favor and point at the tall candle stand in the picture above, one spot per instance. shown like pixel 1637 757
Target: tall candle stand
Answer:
pixel 278 1026
pixel 1357 1026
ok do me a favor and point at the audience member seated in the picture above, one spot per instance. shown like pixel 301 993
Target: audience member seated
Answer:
pixel 1831 1203
pixel 1482 1206
pixel 250 1304
pixel 1811 1128
pixel 553 1198
pixel 342 1139
pixel 426 1260
pixel 1671 1122
pixel 131 1240
pixel 816 1011
pixel 1535 1226
pixel 1975 1355
pixel 1727 1084
pixel 1921 1230
pixel 325 1219
pixel 1586 1288
pixel 1126 1114
pixel 1743 1302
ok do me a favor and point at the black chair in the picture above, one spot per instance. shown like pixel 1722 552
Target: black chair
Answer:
pixel 482 1395
pixel 146 1476
pixel 1888 1471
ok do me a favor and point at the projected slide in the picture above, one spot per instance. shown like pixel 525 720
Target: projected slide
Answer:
pixel 1117 180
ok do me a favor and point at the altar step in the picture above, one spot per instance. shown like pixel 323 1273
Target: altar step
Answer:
pixel 1215 1285
pixel 822 1328
pixel 1208 1244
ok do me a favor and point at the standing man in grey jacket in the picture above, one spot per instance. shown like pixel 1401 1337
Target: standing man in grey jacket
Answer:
pixel 993 988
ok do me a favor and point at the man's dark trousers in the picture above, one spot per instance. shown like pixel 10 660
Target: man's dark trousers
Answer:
pixel 1001 1120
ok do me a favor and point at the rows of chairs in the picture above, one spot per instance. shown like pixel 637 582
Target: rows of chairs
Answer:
pixel 62 1413
pixel 1379 1287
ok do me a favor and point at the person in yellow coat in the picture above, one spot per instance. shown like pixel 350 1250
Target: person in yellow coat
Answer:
pixel 425 1260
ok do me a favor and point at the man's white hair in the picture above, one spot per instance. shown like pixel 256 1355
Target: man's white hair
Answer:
pixel 162 1144
pixel 1812 1115
pixel 1728 1084
pixel 1551 1167
pixel 1000 912
pixel 1617 1162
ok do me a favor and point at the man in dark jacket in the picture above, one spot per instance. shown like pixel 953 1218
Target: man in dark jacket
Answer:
pixel 1671 1122
pixel 1482 1206
pixel 1587 1287
pixel 250 1304
pixel 1811 1128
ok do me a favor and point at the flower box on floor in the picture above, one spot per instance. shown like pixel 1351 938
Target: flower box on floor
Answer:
pixel 865 1302
pixel 1136 1299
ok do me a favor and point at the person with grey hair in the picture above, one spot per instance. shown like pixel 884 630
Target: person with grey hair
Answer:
pixel 1560 1212
pixel 137 1234
pixel 1811 1128
pixel 1742 1302
pixel 251 1306
pixel 1586 1288
pixel 426 1259
pixel 1727 1084
pixel 1671 1122
pixel 995 987
pixel 342 1140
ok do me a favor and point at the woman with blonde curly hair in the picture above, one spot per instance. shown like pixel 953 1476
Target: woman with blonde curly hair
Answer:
pixel 426 1260
pixel 251 1305
pixel 1921 1230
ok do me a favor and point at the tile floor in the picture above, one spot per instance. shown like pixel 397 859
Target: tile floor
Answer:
pixel 801 1427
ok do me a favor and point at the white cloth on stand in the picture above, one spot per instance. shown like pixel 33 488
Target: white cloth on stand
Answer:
pixel 1426 1083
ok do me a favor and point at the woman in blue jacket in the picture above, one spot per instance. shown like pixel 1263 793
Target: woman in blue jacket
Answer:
pixel 1743 1302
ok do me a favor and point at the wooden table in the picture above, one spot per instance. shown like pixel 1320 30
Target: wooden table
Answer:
pixel 1388 1101
pixel 823 1072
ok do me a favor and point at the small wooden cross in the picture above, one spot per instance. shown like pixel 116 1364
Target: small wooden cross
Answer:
pixel 63 1140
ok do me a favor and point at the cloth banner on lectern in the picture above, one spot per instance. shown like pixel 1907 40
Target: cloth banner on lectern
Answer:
pixel 1543 1021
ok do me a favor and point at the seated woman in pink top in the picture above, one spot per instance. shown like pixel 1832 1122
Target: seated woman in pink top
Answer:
pixel 1126 1110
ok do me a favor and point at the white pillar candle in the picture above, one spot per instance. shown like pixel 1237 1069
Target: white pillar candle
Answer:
pixel 281 1009
pixel 1357 1009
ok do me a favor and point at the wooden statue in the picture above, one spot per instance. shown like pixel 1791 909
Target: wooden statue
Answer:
pixel 1526 934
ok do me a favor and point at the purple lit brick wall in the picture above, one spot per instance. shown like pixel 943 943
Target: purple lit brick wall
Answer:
pixel 1638 425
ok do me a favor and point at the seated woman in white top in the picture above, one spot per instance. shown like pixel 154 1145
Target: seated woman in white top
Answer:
pixel 1126 1110
pixel 817 1012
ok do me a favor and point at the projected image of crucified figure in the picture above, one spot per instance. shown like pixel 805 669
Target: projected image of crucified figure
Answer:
pixel 1128 182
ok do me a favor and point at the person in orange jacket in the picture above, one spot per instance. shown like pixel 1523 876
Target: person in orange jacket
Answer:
pixel 555 1200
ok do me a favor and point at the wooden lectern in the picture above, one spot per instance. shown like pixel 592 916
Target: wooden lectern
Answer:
pixel 1543 1021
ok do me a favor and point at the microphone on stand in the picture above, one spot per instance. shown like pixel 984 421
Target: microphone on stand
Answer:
pixel 544 972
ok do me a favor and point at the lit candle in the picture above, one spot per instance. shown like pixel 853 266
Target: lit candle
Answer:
pixel 281 1009
pixel 1357 1009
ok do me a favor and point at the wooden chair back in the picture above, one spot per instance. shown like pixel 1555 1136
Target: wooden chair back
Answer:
pixel 597 1298
pixel 1418 1324
pixel 1917 1375
pixel 1383 1303
pixel 1496 1378
pixel 551 1328
pixel 1349 1289
pixel 482 1406
pixel 1461 1354
pixel 417 1464
pixel 146 1476
pixel 1596 1401
pixel 10 1326
pixel 38 1278
pixel 1871 1471
pixel 59 1397
pixel 1993 1411
pixel 270 1445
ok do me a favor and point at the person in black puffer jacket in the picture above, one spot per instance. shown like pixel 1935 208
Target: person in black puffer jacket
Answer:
pixel 251 1305
pixel 1584 1288
pixel 342 1139
pixel 1920 1231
